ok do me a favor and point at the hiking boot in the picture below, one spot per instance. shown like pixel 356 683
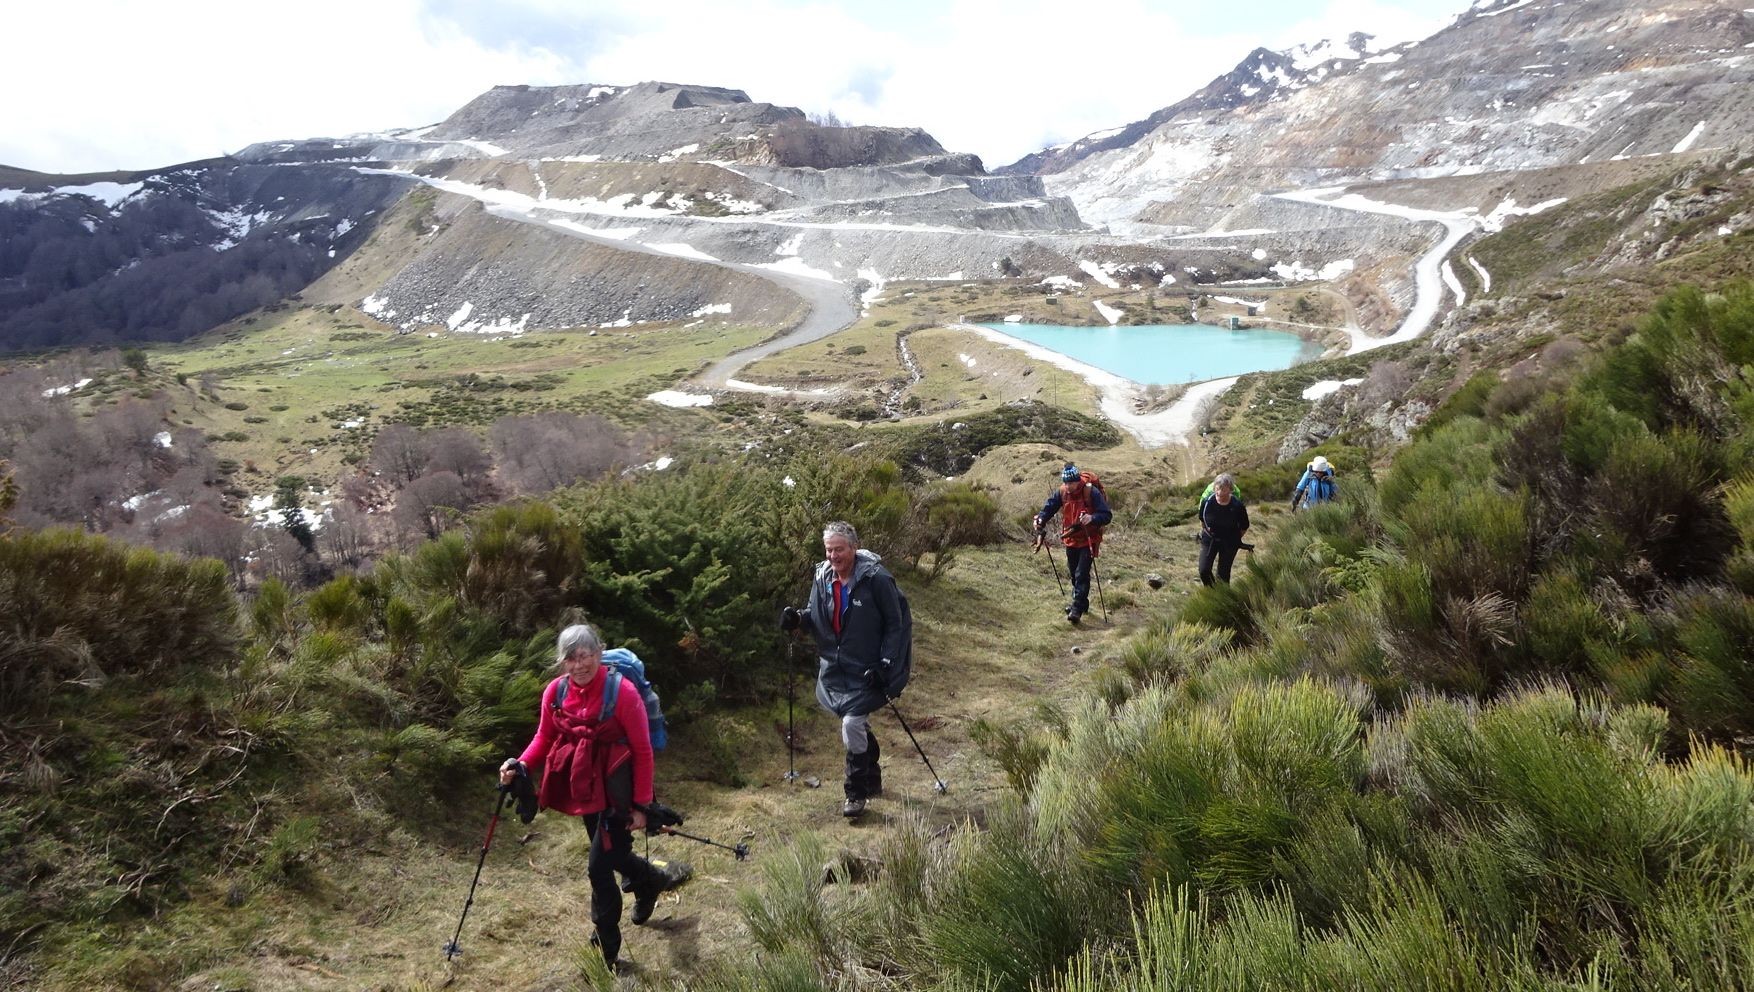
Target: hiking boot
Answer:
pixel 1073 616
pixel 645 899
pixel 852 808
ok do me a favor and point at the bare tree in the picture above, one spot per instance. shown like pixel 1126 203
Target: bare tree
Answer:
pixel 1386 382
pixel 454 449
pixel 550 450
pixel 399 454
pixel 278 555
pixel 130 430
pixel 348 536
pixel 206 532
pixel 428 503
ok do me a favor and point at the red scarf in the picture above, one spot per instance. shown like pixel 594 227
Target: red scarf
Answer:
pixel 576 772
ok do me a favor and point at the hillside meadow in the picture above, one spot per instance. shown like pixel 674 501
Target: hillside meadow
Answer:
pixel 1482 724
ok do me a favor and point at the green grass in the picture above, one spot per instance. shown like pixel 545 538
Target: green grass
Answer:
pixel 305 373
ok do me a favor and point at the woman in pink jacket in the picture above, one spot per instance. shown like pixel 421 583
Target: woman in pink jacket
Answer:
pixel 599 770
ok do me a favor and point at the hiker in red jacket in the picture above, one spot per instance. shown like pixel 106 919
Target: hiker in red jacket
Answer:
pixel 1083 512
pixel 601 771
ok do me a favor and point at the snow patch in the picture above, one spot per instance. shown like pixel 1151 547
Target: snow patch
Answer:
pixel 1493 222
pixel 1063 283
pixel 1480 270
pixel 1454 284
pixel 679 399
pixel 1096 272
pixel 456 319
pixel 756 387
pixel 1326 386
pixel 874 291
pixel 712 308
pixel 109 194
pixel 64 390
pixel 487 148
pixel 1298 272
pixel 1475 9
pixel 682 250
pixel 237 224
pixel 1109 313
pixel 796 266
pixel 1687 142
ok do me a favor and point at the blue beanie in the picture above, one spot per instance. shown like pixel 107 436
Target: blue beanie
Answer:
pixel 1069 473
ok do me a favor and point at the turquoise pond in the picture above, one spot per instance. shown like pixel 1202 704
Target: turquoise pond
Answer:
pixel 1169 353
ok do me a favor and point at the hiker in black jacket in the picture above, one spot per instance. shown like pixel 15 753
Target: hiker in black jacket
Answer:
pixel 1223 521
pixel 864 647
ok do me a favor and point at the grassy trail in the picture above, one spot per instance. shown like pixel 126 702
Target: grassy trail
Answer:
pixel 990 642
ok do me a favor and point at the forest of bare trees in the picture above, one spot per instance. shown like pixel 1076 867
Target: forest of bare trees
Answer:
pixel 125 469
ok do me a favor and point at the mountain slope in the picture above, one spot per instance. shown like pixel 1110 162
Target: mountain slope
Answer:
pixel 1516 86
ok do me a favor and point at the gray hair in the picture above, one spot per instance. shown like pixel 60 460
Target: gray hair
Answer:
pixel 578 637
pixel 840 528
pixel 1224 479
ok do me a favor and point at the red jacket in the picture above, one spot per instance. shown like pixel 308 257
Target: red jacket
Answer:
pixel 578 783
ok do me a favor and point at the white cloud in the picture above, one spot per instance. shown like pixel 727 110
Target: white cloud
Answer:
pixel 105 84
pixel 125 85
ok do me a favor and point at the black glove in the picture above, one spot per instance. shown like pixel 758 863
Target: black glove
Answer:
pixel 659 816
pixel 1294 505
pixel 524 791
pixel 790 618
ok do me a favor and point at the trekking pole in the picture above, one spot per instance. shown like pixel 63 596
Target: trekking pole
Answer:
pixel 502 799
pixel 741 850
pixel 661 819
pixel 1099 597
pixel 791 681
pixel 937 783
pixel 1041 542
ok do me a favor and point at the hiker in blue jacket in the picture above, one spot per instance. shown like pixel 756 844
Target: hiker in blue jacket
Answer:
pixel 1316 486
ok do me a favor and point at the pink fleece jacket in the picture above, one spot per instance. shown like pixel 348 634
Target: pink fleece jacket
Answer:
pixel 586 702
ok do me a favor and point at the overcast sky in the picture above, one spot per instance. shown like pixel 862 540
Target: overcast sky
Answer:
pixel 94 85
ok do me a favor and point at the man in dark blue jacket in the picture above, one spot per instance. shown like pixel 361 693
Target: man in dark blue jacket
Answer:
pixel 864 647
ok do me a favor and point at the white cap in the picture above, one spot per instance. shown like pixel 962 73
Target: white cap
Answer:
pixel 1320 464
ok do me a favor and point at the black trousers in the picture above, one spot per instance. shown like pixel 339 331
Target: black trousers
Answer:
pixel 1079 561
pixel 611 852
pixel 1223 551
pixel 864 778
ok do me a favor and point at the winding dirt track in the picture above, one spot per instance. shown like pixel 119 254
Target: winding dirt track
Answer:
pixel 831 305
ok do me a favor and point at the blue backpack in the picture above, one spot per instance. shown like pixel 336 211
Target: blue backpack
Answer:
pixel 624 664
